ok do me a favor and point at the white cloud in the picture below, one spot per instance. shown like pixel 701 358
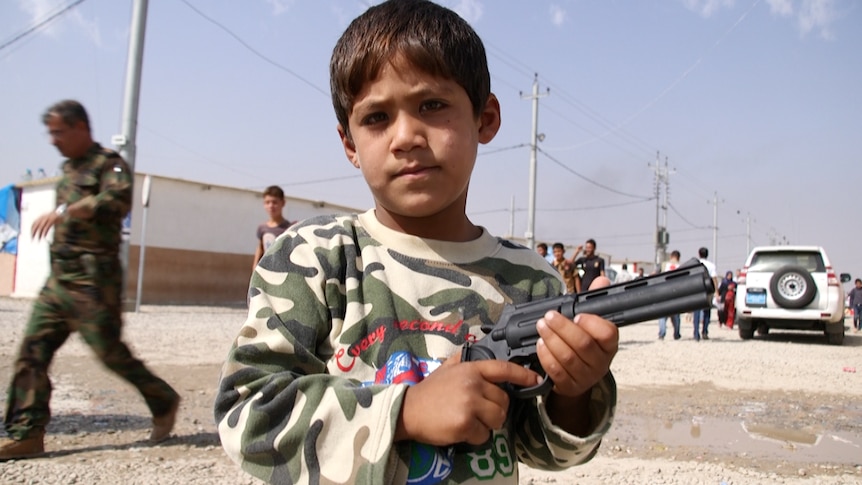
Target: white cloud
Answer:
pixel 810 15
pixel 280 6
pixel 558 15
pixel 782 8
pixel 39 10
pixel 469 10
pixel 817 15
pixel 707 7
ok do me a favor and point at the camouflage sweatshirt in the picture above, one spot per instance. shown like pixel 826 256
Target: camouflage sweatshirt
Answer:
pixel 101 183
pixel 344 314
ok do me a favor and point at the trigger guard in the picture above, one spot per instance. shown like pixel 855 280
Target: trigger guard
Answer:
pixel 540 389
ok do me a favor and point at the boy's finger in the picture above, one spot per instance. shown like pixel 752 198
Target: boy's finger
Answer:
pixel 500 371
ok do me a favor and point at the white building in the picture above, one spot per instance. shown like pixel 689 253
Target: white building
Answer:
pixel 198 246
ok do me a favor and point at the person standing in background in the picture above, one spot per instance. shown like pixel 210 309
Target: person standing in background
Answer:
pixel 273 204
pixel 624 276
pixel 542 249
pixel 564 266
pixel 588 267
pixel 672 264
pixel 854 297
pixel 703 314
pixel 83 293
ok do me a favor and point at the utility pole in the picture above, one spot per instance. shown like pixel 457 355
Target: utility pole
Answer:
pixel 662 238
pixel 747 232
pixel 512 218
pixel 530 235
pixel 126 140
pixel 714 203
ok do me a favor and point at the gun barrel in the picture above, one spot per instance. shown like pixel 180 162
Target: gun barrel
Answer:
pixel 653 298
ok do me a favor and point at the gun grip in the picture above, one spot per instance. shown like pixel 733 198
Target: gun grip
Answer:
pixel 543 388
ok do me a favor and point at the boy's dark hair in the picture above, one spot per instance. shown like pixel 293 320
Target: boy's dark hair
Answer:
pixel 274 191
pixel 559 245
pixel 543 246
pixel 592 241
pixel 625 266
pixel 703 252
pixel 430 37
pixel 675 254
pixel 69 110
pixel 858 280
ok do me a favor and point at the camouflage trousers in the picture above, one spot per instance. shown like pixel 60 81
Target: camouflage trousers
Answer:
pixel 87 302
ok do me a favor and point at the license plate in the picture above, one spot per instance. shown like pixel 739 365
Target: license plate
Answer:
pixel 755 298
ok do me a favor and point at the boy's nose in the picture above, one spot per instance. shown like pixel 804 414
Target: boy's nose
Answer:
pixel 408 132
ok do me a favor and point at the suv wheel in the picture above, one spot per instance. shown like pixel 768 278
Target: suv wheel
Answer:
pixel 792 287
pixel 835 338
pixel 745 333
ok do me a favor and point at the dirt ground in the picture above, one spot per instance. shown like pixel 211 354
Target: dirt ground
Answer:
pixel 100 423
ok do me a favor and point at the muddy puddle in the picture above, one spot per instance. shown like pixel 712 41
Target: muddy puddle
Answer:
pixel 717 436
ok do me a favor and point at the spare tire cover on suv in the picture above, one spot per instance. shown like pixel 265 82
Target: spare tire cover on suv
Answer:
pixel 792 287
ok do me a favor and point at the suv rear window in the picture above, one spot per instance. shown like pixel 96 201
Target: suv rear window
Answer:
pixel 772 261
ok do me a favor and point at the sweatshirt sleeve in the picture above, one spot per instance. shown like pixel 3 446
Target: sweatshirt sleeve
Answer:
pixel 281 416
pixel 543 445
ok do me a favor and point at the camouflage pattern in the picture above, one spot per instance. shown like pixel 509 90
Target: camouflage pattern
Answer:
pixel 102 182
pixel 344 314
pixel 83 294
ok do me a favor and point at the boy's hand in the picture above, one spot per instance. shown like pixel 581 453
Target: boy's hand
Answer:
pixel 460 402
pixel 575 354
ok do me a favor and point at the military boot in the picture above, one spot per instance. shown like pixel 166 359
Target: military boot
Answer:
pixel 162 425
pixel 33 445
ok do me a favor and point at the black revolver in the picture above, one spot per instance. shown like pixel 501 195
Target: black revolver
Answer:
pixel 513 338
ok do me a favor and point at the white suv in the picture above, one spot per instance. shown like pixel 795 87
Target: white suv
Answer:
pixel 790 287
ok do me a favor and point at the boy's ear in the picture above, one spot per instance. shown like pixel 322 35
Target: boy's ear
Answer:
pixel 349 147
pixel 489 120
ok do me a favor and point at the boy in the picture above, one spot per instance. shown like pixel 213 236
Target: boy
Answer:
pixel 273 204
pixel 588 267
pixel 348 368
pixel 564 266
pixel 854 299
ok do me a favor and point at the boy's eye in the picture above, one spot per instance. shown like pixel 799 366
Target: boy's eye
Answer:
pixel 432 105
pixel 373 118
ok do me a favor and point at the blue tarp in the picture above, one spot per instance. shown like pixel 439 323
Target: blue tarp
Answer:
pixel 10 221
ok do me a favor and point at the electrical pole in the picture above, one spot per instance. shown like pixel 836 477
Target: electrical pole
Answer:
pixel 714 203
pixel 662 238
pixel 512 218
pixel 530 235
pixel 126 141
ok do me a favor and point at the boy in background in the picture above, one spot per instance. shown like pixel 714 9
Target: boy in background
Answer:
pixel 348 367
pixel 273 204
pixel 854 299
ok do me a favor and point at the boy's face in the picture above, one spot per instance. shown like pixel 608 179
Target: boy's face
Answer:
pixel 415 137
pixel 273 205
pixel 558 253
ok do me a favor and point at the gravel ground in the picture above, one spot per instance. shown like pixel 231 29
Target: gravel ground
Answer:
pixel 784 409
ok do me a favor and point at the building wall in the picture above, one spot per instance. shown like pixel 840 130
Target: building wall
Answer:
pixel 198 239
pixel 32 263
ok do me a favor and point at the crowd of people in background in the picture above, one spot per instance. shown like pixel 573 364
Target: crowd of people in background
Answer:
pixel 585 265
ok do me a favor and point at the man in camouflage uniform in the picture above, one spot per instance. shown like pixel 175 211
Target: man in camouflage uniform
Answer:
pixel 84 290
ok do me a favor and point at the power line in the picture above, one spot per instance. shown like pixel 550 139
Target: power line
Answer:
pixel 255 51
pixel 40 24
pixel 520 145
pixel 695 226
pixel 589 180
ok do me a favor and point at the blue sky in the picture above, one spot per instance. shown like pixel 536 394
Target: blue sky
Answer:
pixel 754 104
